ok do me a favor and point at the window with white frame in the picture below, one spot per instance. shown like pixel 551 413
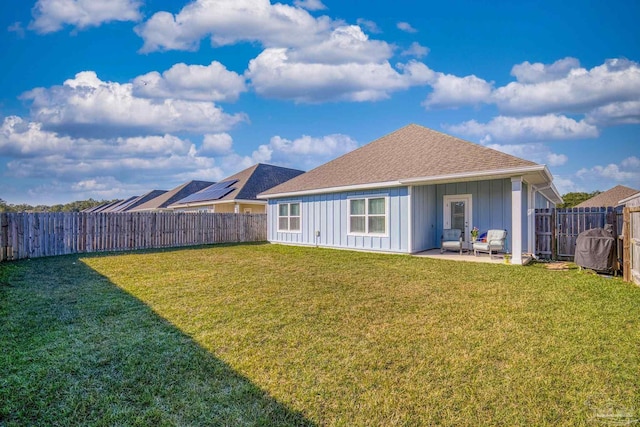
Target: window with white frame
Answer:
pixel 368 215
pixel 289 216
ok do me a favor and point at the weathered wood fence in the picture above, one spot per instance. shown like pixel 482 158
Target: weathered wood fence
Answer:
pixel 631 239
pixel 33 235
pixel 557 229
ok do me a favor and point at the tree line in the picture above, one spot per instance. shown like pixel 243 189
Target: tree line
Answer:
pixel 76 206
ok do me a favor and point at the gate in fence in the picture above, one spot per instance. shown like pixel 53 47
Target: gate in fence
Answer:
pixel 557 229
pixel 631 239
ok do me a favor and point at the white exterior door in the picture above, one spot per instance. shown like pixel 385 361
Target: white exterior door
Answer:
pixel 458 214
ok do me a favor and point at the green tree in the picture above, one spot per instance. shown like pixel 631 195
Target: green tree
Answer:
pixel 575 198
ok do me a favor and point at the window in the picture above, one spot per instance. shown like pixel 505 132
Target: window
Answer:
pixel 368 216
pixel 289 217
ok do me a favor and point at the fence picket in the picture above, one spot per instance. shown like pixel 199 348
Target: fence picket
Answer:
pixel 32 235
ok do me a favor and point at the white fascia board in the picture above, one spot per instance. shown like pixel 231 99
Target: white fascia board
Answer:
pixel 482 175
pixel 342 189
pixel 217 202
pixel 624 201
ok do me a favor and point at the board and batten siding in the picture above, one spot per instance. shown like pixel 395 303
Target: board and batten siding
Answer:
pixel 491 208
pixel 328 214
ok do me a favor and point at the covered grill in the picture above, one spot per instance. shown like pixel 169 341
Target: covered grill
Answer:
pixel 595 249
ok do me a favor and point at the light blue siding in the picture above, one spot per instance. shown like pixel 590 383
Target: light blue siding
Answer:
pixel 328 215
pixel 423 205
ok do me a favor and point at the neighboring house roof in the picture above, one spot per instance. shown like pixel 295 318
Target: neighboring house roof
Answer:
pixel 103 207
pixel 245 185
pixel 633 197
pixel 137 201
pixel 413 155
pixel 171 196
pixel 610 197
pixel 116 206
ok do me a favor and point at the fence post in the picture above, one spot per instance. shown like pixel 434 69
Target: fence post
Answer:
pixel 554 235
pixel 4 236
pixel 626 245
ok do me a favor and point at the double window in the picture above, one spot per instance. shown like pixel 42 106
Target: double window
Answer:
pixel 368 216
pixel 289 216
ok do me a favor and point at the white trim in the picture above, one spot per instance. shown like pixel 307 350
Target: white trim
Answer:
pixel 531 220
pixel 628 199
pixel 366 215
pixel 446 213
pixel 341 189
pixel 217 202
pixel 409 219
pixel 299 216
pixel 538 173
pixel 516 220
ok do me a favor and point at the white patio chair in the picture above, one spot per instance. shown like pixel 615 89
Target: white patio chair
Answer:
pixel 496 241
pixel 451 240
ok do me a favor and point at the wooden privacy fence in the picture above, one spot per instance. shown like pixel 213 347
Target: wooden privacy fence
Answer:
pixel 32 235
pixel 631 239
pixel 557 229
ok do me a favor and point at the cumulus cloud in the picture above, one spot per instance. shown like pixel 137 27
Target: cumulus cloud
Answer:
pixel 406 27
pixel 88 106
pixel 51 15
pixel 535 152
pixel 616 113
pixel 310 4
pixel 231 21
pixel 17 28
pixel 567 88
pixel 346 44
pixel 274 75
pixel 627 171
pixel 212 82
pixel 218 143
pixel 417 50
pixel 451 91
pixel 539 72
pixel 533 128
pixel 306 152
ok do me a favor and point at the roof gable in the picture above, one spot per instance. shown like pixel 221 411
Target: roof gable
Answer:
pixel 608 198
pixel 411 152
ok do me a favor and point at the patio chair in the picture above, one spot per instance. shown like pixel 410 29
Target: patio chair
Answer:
pixel 451 240
pixel 496 241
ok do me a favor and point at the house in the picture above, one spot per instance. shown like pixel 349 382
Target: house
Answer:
pixel 162 201
pixel 633 201
pixel 608 198
pixel 397 194
pixel 137 201
pixel 237 193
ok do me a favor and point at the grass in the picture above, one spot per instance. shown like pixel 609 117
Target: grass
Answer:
pixel 277 335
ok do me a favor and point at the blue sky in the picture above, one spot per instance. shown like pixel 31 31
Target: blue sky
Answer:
pixel 113 98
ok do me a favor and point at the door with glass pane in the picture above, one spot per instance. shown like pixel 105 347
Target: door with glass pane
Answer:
pixel 458 214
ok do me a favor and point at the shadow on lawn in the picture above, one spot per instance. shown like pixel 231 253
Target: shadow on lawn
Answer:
pixel 79 350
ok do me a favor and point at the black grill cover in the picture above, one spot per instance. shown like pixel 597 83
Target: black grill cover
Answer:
pixel 594 249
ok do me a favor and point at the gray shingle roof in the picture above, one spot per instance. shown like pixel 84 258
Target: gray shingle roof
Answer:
pixel 608 198
pixel 411 152
pixel 172 196
pixel 250 182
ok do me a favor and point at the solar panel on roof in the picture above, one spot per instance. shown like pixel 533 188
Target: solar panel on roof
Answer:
pixel 212 192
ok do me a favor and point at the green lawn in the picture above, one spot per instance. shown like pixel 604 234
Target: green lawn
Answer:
pixel 275 335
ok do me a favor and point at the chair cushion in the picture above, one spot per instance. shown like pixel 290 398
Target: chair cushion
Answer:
pixel 451 245
pixel 451 234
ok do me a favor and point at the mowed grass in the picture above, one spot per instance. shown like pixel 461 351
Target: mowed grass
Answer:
pixel 277 335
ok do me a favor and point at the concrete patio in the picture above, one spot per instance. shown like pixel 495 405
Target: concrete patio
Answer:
pixel 466 256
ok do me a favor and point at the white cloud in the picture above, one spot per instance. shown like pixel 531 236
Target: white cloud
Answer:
pixel 534 128
pixel 219 143
pixel 305 152
pixel 17 28
pixel 626 171
pixel 345 45
pixel 535 152
pixel 566 185
pixel 538 72
pixel 581 90
pixel 406 27
pixel 450 91
pixel 51 15
pixel 417 50
pixel 368 25
pixel 88 106
pixel 274 75
pixel 231 21
pixel 310 4
pixel 616 113
pixel 212 82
